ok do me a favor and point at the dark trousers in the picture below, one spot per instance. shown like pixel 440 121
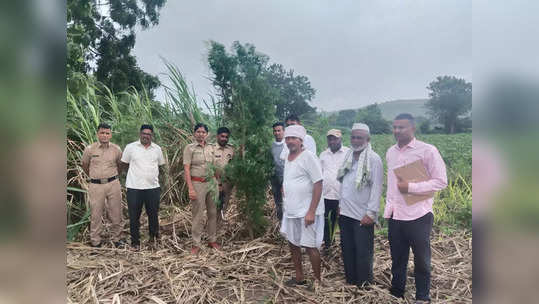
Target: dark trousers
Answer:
pixel 150 199
pixel 330 216
pixel 357 246
pixel 276 188
pixel 402 236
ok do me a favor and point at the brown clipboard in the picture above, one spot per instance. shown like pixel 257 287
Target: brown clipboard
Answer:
pixel 413 172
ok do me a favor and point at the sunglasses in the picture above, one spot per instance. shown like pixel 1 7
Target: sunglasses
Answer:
pixel 357 137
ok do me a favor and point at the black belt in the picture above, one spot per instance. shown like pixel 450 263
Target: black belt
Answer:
pixel 103 180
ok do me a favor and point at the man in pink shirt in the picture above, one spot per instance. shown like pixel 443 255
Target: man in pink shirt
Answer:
pixel 410 225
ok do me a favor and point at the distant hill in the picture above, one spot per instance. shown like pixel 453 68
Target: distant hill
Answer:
pixel 392 108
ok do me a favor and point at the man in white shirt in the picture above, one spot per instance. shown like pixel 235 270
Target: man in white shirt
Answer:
pixel 362 178
pixel 142 183
pixel 278 164
pixel 331 160
pixel 303 217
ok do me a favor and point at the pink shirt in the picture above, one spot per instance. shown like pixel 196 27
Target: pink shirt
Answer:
pixel 433 162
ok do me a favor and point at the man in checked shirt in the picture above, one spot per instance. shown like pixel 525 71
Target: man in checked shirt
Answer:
pixel 411 225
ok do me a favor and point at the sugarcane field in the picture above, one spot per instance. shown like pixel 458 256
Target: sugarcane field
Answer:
pixel 250 153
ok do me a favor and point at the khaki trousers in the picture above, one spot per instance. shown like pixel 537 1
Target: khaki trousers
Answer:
pixel 105 196
pixel 204 201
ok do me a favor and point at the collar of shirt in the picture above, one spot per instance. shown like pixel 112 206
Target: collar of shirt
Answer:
pixel 411 144
pixel 341 149
pixel 198 144
pixel 103 146
pixel 152 145
pixel 279 142
pixel 221 147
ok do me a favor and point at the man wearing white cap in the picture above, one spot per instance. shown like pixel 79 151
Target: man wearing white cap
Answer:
pixel 362 177
pixel 303 216
pixel 308 141
pixel 331 160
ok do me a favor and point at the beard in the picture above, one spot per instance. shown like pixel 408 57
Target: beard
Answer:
pixel 360 148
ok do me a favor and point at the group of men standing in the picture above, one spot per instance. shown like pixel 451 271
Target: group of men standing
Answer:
pixel 104 161
pixel 350 180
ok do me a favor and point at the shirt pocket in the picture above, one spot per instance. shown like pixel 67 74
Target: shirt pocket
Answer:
pixel 197 158
pixel 96 159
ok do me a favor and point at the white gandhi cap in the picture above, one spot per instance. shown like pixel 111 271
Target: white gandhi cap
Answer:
pixel 361 126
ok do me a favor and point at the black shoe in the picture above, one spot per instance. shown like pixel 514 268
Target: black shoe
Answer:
pixel 120 243
pixel 293 282
pixel 395 294
pixel 135 246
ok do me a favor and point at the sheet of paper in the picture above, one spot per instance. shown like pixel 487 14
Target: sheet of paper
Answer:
pixel 413 173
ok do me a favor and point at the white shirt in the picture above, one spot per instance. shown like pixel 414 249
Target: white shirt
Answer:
pixel 308 143
pixel 298 180
pixel 144 165
pixel 331 162
pixel 356 203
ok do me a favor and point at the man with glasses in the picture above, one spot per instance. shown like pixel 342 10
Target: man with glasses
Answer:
pixel 144 158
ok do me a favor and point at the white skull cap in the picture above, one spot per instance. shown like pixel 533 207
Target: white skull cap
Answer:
pixel 361 126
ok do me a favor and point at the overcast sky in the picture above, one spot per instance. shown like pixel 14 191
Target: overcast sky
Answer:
pixel 354 52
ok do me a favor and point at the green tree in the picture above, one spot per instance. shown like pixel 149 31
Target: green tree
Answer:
pixel 248 101
pixel 372 116
pixel 346 118
pixel 295 92
pixel 449 99
pixel 100 37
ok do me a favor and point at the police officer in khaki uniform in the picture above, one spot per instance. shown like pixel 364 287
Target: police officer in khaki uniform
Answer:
pixel 223 153
pixel 101 162
pixel 196 159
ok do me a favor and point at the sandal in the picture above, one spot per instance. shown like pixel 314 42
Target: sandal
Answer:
pixel 293 282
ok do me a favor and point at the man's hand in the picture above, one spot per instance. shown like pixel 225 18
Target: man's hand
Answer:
pixel 366 221
pixel 309 219
pixel 192 194
pixel 402 185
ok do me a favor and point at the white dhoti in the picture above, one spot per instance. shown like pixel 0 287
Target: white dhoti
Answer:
pixel 294 230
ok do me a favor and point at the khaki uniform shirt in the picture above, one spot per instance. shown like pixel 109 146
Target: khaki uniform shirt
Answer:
pixel 103 160
pixel 198 157
pixel 222 156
